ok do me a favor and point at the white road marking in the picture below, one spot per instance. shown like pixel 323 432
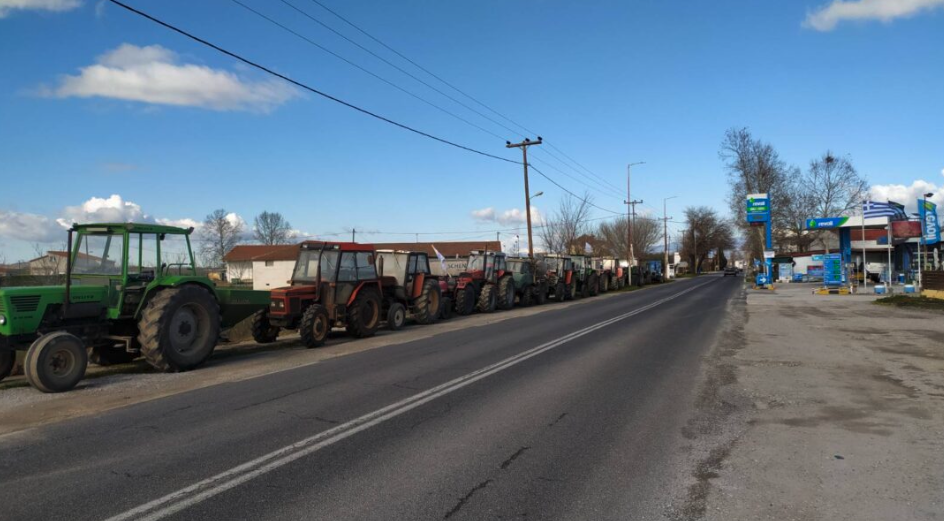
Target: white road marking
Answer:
pixel 207 488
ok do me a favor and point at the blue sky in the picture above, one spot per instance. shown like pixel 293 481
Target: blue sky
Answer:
pixel 96 102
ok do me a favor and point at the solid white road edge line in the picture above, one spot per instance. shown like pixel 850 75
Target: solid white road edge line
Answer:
pixel 207 488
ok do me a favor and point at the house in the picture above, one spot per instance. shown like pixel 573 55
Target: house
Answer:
pixel 266 267
pixel 55 263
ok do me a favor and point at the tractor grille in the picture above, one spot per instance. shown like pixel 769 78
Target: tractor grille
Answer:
pixel 3 308
pixel 25 304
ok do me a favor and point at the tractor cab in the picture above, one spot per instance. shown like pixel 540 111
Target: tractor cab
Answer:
pixel 559 270
pixel 333 284
pixel 488 266
pixel 486 282
pixel 409 286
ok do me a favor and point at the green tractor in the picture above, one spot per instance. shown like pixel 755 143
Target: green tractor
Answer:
pixel 131 289
pixel 588 281
pixel 530 277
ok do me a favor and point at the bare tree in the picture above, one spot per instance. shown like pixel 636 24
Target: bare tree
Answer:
pixel 559 234
pixel 802 206
pixel 271 228
pixel 706 233
pixel 647 232
pixel 219 235
pixel 755 167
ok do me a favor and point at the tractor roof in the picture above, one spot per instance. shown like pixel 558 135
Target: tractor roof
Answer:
pixel 135 227
pixel 342 246
pixel 404 252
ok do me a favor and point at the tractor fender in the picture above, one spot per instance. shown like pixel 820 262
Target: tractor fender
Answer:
pixel 418 282
pixel 357 290
pixel 156 288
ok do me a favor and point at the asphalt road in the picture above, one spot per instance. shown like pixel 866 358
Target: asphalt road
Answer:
pixel 538 417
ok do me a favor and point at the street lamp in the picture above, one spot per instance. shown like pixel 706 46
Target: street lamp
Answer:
pixel 665 235
pixel 539 194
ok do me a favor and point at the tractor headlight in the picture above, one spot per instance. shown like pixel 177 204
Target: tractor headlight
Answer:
pixel 3 320
pixel 278 304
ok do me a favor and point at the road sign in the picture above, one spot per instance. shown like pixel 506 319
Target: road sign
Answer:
pixel 758 208
pixel 832 269
pixel 817 258
pixel 769 254
pixel 825 223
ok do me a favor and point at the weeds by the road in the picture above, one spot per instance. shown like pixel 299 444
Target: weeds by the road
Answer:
pixel 904 301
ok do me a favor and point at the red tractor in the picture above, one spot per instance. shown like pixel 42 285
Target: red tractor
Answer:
pixel 486 284
pixel 408 286
pixel 561 282
pixel 334 284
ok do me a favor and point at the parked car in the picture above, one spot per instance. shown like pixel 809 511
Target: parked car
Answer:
pixel 730 270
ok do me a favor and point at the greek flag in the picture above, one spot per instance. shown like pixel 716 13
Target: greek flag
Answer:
pixel 893 211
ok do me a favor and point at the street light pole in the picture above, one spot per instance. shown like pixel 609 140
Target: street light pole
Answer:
pixel 527 198
pixel 665 236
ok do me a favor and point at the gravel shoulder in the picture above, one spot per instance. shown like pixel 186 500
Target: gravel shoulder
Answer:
pixel 819 408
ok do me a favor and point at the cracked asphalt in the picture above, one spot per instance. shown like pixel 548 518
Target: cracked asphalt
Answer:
pixel 591 429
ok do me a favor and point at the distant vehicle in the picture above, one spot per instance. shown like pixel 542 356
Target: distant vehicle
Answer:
pixel 730 270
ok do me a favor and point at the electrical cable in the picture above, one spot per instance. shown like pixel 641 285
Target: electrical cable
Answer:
pixel 306 87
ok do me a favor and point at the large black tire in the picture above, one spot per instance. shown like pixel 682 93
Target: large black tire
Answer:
pixel 262 331
pixel 179 328
pixel 506 292
pixel 571 291
pixel 445 308
pixel 314 326
pixel 604 284
pixel 426 307
pixel 396 316
pixel 363 315
pixel 488 299
pixel 465 301
pixel 585 288
pixel 540 297
pixel 524 300
pixel 7 361
pixel 56 362
pixel 594 285
pixel 105 356
pixel 560 292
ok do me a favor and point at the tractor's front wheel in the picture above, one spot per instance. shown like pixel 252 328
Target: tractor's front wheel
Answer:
pixel 560 292
pixel 524 300
pixel 7 360
pixel 56 362
pixel 179 328
pixel 263 332
pixel 541 297
pixel 488 300
pixel 465 301
pixel 314 326
pixel 363 315
pixel 594 285
pixel 445 308
pixel 506 292
pixel 426 308
pixel 396 317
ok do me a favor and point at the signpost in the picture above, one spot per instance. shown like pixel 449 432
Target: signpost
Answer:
pixel 832 269
pixel 758 214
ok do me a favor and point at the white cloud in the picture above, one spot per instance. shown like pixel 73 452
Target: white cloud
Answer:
pixel 30 227
pixel 7 6
pixel 153 75
pixel 510 217
pixel 114 209
pixel 827 17
pixel 908 195
pixel 180 223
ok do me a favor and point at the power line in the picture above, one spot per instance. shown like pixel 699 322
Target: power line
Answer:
pixel 585 168
pixel 575 179
pixel 362 69
pixel 306 87
pixel 545 176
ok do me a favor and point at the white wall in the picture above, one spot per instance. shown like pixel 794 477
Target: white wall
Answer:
pixel 241 270
pixel 271 277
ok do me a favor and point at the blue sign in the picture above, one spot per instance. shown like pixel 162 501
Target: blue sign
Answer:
pixel 817 258
pixel 760 280
pixel 931 226
pixel 814 272
pixel 832 269
pixel 825 223
pixel 758 208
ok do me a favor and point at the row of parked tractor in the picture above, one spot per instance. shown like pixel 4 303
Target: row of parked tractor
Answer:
pixel 356 287
pixel 129 293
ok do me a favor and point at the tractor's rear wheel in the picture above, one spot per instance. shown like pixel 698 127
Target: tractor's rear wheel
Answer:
pixel 465 301
pixel 488 300
pixel 179 328
pixel 524 300
pixel 604 284
pixel 363 315
pixel 445 308
pixel 560 292
pixel 541 296
pixel 396 317
pixel 56 362
pixel 314 326
pixel 7 361
pixel 594 289
pixel 426 307
pixel 263 332
pixel 506 292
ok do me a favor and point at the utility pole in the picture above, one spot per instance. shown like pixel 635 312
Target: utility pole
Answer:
pixel 665 235
pixel 527 197
pixel 353 234
pixel 630 219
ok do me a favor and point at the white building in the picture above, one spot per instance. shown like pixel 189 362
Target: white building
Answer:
pixel 266 267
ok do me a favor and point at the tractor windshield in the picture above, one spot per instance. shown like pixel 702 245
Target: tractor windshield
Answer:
pixel 98 254
pixel 306 269
pixel 480 262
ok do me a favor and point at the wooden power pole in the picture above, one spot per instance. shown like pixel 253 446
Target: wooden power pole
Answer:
pixel 527 195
